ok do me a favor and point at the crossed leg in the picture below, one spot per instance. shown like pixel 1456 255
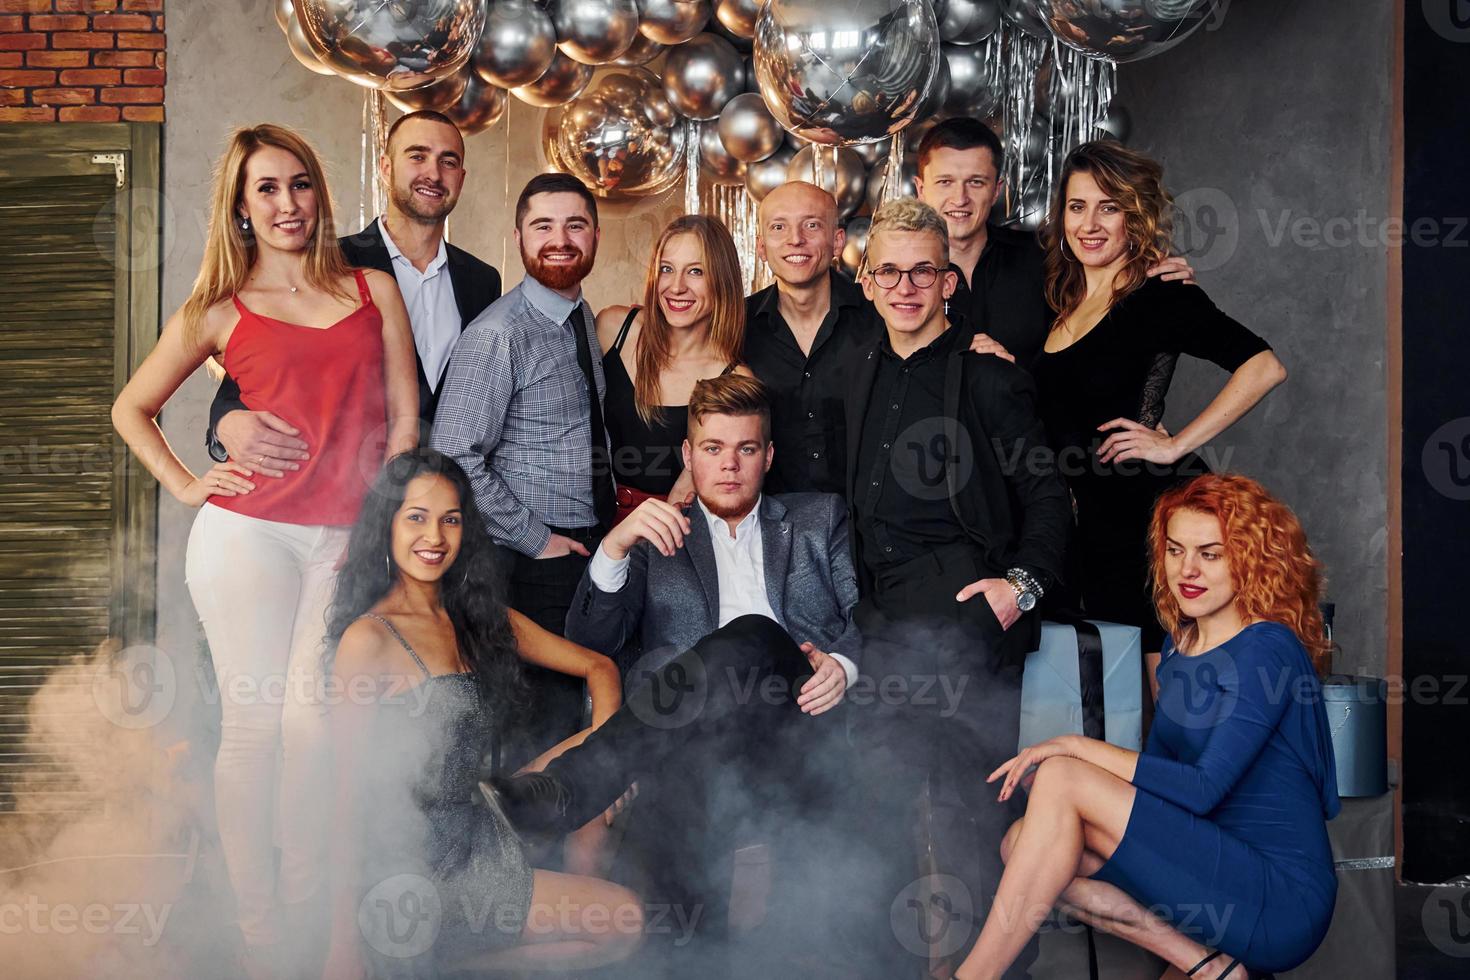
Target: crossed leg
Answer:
pixel 1075 819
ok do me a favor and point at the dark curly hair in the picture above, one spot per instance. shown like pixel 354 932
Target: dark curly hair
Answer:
pixel 471 589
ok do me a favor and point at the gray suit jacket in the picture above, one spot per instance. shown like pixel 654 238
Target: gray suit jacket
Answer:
pixel 669 604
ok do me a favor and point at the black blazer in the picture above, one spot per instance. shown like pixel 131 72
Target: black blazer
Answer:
pixel 1014 508
pixel 476 286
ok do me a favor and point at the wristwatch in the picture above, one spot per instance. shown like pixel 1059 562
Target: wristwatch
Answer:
pixel 1028 590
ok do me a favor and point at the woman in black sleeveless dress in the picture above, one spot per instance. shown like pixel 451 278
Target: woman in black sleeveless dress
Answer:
pixel 425 661
pixel 691 326
pixel 1105 369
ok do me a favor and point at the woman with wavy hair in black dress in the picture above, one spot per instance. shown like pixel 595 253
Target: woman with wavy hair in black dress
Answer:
pixel 1105 370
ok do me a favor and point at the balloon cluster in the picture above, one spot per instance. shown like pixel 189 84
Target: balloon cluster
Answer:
pixel 765 82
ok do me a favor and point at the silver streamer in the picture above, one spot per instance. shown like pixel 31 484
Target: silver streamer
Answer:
pixel 734 206
pixel 372 200
pixel 691 167
pixel 1023 57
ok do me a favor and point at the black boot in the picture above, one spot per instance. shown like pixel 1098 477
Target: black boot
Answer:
pixel 533 802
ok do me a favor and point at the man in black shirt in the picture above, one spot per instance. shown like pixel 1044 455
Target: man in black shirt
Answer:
pixel 1001 288
pixel 802 335
pixel 960 522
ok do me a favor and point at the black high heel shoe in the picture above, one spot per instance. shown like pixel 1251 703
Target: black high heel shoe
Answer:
pixel 1249 973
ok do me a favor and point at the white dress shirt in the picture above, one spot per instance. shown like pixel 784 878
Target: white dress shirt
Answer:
pixel 740 567
pixel 432 312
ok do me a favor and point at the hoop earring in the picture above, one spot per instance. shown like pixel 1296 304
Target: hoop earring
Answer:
pixel 388 564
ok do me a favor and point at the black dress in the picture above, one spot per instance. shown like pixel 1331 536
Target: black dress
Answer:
pixel 444 877
pixel 646 457
pixel 1122 368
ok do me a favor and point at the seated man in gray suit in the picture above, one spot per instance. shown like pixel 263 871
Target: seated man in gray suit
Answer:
pixel 668 577
pixel 757 592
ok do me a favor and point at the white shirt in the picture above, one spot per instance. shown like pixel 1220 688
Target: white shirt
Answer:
pixel 740 568
pixel 432 312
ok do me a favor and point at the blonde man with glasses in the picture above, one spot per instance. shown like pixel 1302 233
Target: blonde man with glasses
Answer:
pixel 959 526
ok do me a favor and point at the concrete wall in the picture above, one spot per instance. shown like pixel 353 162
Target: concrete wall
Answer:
pixel 229 66
pixel 1274 133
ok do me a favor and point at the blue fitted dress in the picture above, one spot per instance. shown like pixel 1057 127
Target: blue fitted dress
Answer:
pixel 1228 837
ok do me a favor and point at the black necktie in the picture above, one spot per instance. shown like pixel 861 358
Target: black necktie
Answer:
pixel 604 499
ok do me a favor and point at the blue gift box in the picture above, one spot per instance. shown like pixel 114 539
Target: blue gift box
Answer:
pixel 1052 689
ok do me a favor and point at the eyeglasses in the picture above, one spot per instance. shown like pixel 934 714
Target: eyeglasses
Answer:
pixel 922 276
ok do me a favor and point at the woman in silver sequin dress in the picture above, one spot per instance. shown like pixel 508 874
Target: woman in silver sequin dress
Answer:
pixel 425 666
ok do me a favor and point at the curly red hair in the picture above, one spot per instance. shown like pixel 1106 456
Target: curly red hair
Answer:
pixel 1275 574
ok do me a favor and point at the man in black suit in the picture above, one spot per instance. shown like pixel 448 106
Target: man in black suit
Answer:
pixel 444 287
pixel 959 522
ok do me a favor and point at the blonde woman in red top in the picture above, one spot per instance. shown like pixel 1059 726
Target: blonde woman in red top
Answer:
pixel 327 348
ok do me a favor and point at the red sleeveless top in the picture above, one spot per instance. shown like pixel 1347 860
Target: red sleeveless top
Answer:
pixel 328 382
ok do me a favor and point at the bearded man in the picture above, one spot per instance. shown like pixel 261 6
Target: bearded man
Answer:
pixel 521 411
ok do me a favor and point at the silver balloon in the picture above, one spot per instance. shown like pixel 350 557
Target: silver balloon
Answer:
pixel 766 175
pixel 847 181
pixel 850 72
pixel 738 16
pixel 283 10
pixel 716 162
pixel 873 153
pixel 969 95
pixel 739 42
pixel 906 188
pixel 478 107
pixel 301 48
pixel 517 44
pixel 398 45
pixel 436 96
pixel 1025 15
pixel 851 257
pixel 594 32
pixel 701 75
pixel 1118 123
pixel 558 85
pixel 672 21
pixel 933 105
pixel 640 52
pixel 1125 30
pixel 967 21
pixel 747 128
pixel 621 136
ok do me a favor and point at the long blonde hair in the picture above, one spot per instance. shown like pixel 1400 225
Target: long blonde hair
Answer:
pixel 230 252
pixel 1136 182
pixel 727 319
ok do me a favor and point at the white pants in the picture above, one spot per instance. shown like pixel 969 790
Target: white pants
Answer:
pixel 261 589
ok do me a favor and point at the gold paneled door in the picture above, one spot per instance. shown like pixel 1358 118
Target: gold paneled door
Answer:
pixel 79 302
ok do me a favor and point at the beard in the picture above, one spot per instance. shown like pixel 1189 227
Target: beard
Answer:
pixel 405 200
pixel 730 507
pixel 555 276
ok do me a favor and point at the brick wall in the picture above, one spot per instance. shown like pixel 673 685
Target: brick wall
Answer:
pixel 81 60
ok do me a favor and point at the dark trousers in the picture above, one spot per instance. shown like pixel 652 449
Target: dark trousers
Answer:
pixel 541 589
pixel 734 759
pixel 943 712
